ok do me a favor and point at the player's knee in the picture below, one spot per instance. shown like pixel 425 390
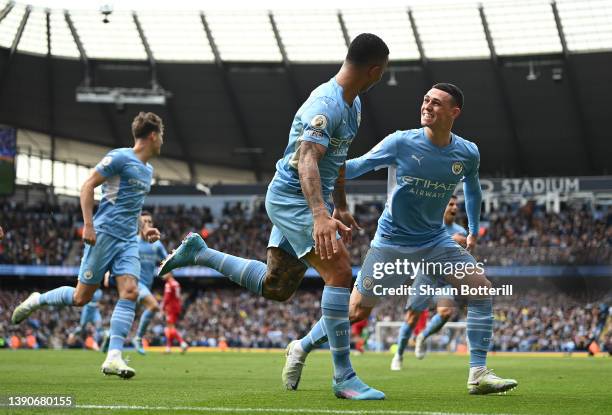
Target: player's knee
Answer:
pixel 129 295
pixel 341 276
pixel 412 317
pixel 129 292
pixel 80 299
pixel 484 285
pixel 480 288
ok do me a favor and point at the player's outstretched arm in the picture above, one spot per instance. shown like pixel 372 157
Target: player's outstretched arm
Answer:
pixel 325 227
pixel 87 205
pixel 473 199
pixel 341 210
pixel 381 155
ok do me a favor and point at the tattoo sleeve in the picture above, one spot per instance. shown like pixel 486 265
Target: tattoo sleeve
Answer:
pixel 310 178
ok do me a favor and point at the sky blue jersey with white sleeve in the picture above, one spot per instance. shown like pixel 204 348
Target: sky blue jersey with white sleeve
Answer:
pixel 150 255
pixel 326 119
pixel 128 181
pixel 425 177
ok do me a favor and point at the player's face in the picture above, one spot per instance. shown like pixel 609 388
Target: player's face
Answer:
pixel 451 210
pixel 375 74
pixel 438 109
pixel 157 139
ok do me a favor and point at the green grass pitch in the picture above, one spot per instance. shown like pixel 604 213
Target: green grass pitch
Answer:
pixel 247 382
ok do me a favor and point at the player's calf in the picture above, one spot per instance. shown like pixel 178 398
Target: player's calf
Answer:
pixel 283 275
pixel 80 299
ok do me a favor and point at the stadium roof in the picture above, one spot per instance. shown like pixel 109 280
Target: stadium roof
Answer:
pixel 536 75
pixel 309 32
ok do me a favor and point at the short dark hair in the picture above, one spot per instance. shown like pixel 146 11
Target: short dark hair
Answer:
pixel 367 49
pixel 145 213
pixel 453 91
pixel 145 123
pixel 453 196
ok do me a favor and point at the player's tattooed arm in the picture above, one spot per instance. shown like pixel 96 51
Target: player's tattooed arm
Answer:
pixel 87 205
pixel 310 178
pixel 341 211
pixel 325 227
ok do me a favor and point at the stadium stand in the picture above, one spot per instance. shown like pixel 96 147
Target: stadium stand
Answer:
pixel 532 321
pixel 512 235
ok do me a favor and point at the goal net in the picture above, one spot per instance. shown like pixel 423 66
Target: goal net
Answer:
pixel 450 338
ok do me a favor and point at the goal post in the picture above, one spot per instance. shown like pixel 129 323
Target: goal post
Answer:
pixel 385 334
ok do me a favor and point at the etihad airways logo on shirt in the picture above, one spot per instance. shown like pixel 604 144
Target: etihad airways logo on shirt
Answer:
pixel 339 146
pixel 143 186
pixel 427 185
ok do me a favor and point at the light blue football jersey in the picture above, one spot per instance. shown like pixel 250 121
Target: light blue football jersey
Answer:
pixel 423 178
pixel 455 228
pixel 326 119
pixel 128 181
pixel 150 255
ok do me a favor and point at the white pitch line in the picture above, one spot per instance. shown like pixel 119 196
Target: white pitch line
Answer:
pixel 271 410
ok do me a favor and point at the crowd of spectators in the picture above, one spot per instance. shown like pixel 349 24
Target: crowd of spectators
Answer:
pixel 529 235
pixel 541 322
pixel 511 235
pixel 41 234
pixel 528 321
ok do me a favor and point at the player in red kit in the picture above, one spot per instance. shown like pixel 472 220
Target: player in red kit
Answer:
pixel 359 332
pixel 172 307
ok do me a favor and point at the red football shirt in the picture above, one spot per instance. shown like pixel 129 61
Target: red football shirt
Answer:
pixel 172 295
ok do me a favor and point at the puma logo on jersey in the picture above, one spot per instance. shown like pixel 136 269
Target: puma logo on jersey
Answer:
pixel 418 159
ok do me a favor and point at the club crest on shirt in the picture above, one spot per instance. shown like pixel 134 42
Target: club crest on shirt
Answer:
pixel 106 161
pixel 368 283
pixel 88 274
pixel 457 167
pixel 319 122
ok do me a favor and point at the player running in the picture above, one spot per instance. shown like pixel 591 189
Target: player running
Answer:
pixel 172 305
pixel 298 203
pixel 150 255
pixel 430 162
pixel 111 236
pixel 419 302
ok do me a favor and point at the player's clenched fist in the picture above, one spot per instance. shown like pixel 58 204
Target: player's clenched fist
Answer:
pixel 89 234
pixel 152 235
pixel 471 242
